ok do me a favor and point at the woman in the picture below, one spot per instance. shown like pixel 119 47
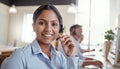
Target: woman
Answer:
pixel 40 54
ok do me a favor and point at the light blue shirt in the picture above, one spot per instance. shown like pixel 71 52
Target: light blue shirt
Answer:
pixel 77 48
pixel 32 57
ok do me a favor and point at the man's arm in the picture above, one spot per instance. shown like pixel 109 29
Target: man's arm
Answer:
pixel 92 62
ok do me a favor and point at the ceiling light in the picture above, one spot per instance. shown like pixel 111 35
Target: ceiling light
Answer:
pixel 72 8
pixel 12 9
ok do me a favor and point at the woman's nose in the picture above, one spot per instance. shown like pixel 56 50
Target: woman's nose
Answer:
pixel 48 28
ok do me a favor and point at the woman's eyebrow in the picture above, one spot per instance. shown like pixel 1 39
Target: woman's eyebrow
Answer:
pixel 42 19
pixel 54 20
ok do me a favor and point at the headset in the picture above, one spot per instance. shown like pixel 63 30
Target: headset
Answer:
pixel 60 31
pixel 61 28
pixel 74 32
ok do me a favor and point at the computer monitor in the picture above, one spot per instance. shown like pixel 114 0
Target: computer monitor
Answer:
pixel 114 55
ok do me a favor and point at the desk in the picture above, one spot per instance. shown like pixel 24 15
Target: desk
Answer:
pixel 6 51
pixel 7 48
pixel 99 55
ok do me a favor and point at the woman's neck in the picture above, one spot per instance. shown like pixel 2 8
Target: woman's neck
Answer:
pixel 45 49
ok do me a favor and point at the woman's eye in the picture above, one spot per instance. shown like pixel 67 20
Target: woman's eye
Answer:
pixel 41 23
pixel 55 24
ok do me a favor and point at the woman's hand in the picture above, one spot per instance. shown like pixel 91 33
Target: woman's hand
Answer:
pixel 67 45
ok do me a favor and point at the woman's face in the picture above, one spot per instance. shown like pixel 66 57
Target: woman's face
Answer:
pixel 46 27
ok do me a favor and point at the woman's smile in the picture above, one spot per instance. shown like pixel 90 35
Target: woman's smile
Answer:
pixel 47 35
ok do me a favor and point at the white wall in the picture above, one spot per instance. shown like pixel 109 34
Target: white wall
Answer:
pixel 16 21
pixel 119 20
pixel 68 18
pixel 118 12
pixel 4 19
pixel 114 13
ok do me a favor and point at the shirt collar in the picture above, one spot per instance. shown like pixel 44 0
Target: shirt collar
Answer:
pixel 53 50
pixel 36 48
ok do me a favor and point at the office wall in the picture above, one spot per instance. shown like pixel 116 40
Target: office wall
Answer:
pixel 114 13
pixel 118 11
pixel 4 19
pixel 119 21
pixel 16 22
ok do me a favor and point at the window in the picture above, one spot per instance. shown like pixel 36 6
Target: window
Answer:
pixel 27 34
pixel 93 15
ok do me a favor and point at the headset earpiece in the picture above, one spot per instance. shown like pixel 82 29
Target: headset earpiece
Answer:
pixel 74 32
pixel 61 28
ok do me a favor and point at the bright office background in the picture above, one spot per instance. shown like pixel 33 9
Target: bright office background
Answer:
pixel 93 15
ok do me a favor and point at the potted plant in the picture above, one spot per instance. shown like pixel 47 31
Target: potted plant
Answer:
pixel 109 36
